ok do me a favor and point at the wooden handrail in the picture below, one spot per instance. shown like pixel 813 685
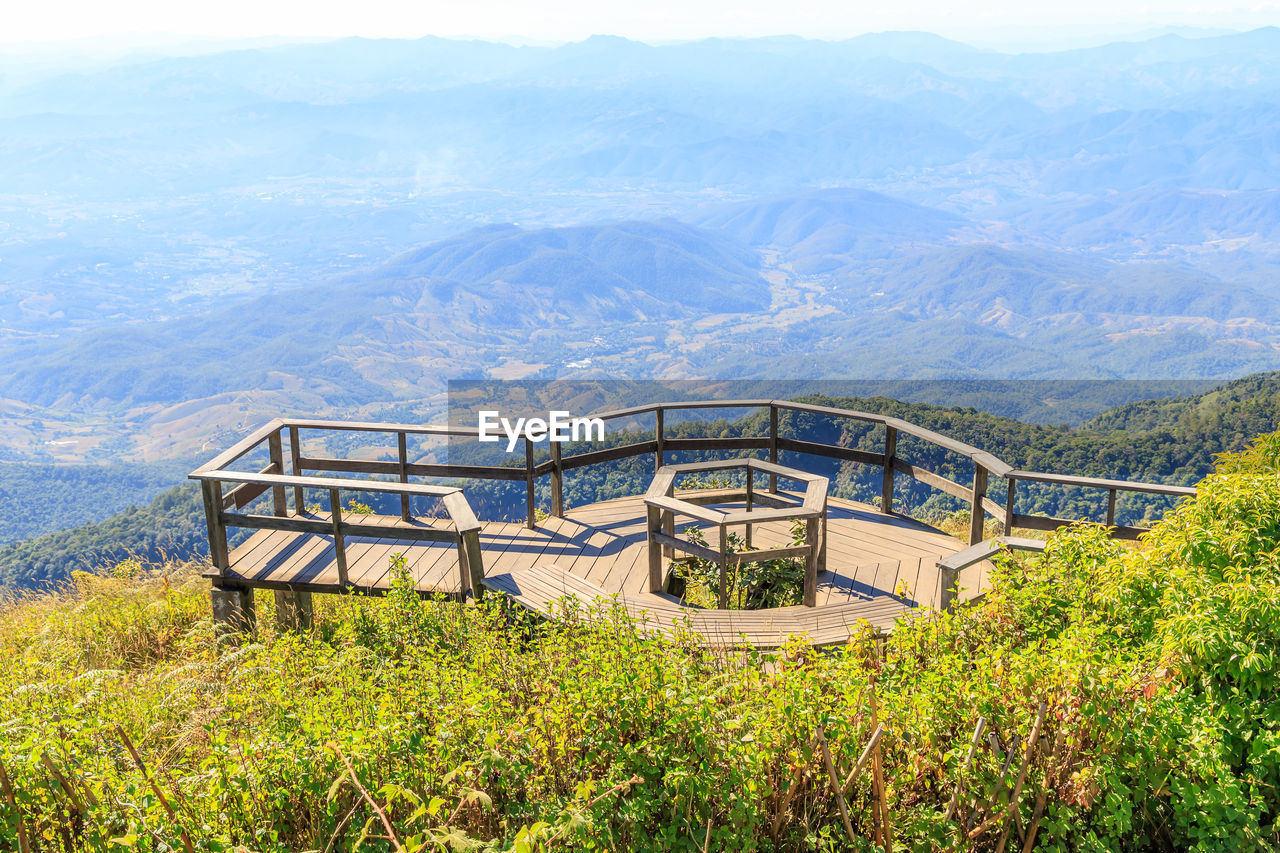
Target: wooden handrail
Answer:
pixel 949 567
pixel 986 465
pixel 346 485
pixel 1101 483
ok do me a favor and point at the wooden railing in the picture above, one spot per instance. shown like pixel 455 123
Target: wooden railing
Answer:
pixel 464 532
pixel 985 465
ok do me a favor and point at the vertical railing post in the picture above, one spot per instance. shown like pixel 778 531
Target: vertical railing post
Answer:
pixel 948 578
pixel 653 524
pixel 470 565
pixel 669 523
pixel 475 561
pixel 295 461
pixel 279 502
pixel 557 481
pixel 722 599
pixel 1008 507
pixel 1111 508
pixel 531 520
pixel 339 542
pixel 886 476
pixel 402 457
pixel 811 526
pixel 659 458
pixel 978 514
pixel 751 494
pixel 218 556
pixel 773 446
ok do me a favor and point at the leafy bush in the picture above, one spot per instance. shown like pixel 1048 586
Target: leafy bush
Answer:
pixel 1128 700
pixel 750 585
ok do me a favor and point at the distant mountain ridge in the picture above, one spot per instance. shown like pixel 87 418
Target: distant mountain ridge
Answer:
pixel 853 279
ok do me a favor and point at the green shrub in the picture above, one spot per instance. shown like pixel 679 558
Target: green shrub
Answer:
pixel 478 727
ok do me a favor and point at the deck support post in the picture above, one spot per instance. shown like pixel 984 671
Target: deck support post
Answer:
pixel 279 503
pixel 1111 508
pixel 886 479
pixel 402 458
pixel 293 610
pixel 218 554
pixel 1008 506
pixel 233 609
pixel 339 542
pixel 470 565
pixel 654 523
pixel 977 515
pixel 811 528
pixel 773 446
pixel 531 520
pixel 722 600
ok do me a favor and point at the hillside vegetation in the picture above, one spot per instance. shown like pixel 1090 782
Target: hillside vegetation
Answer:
pixel 403 724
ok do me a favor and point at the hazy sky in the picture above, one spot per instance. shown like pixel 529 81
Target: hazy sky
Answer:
pixel 652 20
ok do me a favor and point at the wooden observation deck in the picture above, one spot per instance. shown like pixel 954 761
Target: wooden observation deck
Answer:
pixel 877 566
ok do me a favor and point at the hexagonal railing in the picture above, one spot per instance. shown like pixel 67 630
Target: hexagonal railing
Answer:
pixel 663 505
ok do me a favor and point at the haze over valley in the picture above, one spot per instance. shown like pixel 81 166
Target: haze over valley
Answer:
pixel 190 245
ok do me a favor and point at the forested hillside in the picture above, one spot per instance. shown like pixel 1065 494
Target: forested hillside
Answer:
pixel 1173 440
pixel 171 526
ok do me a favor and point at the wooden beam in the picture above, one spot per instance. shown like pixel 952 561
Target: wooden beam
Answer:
pixel 415 469
pixel 279 503
pixel 295 468
pixel 402 459
pixel 653 519
pixel 1008 505
pixel 659 440
pixel 929 478
pixel 773 445
pixel 349 485
pixel 1047 522
pixel 1101 483
pixel 731 443
pixel 531 510
pixel 405 531
pixel 886 476
pixel 722 599
pixel 675 542
pixel 977 516
pixel 471 564
pixel 464 520
pixel 811 563
pixel 557 482
pixel 218 554
pixel 678 506
pixel 608 454
pixel 339 543
pixel 830 451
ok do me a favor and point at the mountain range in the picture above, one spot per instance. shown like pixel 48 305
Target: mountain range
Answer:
pixel 190 244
